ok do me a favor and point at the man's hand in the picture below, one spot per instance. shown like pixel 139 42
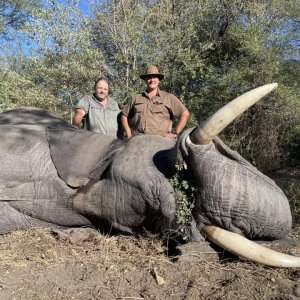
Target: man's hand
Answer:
pixel 170 135
pixel 126 128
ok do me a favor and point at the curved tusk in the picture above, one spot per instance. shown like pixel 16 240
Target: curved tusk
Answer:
pixel 205 133
pixel 240 246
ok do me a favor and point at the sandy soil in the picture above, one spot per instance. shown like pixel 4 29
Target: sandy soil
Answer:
pixel 84 264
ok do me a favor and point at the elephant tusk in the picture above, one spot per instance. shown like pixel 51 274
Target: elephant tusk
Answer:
pixel 205 133
pixel 240 246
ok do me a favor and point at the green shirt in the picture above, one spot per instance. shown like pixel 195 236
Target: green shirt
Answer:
pixel 98 118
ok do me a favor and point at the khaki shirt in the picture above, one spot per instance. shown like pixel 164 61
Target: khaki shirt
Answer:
pixel 153 116
pixel 98 118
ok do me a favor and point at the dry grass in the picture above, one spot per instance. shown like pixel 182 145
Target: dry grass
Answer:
pixel 40 246
pixel 34 264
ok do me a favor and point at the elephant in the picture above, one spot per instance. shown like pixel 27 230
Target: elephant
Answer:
pixel 54 175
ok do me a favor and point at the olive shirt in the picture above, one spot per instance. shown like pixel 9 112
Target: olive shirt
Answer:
pixel 153 116
pixel 98 118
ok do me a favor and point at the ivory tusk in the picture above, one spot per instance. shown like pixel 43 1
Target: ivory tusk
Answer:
pixel 205 133
pixel 240 246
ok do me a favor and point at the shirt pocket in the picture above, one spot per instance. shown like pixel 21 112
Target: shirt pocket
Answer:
pixel 94 106
pixel 139 107
pixel 159 109
pixel 113 108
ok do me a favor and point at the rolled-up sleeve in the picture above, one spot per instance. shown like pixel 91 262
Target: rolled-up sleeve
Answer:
pixel 83 103
pixel 176 106
pixel 127 108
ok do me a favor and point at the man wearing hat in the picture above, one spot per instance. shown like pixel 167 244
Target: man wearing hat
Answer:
pixel 153 111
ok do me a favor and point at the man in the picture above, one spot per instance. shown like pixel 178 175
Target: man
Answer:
pixel 99 110
pixel 153 111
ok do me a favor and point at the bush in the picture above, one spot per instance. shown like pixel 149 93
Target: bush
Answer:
pixel 184 194
pixel 289 181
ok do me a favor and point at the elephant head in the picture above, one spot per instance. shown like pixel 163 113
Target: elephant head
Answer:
pixel 233 194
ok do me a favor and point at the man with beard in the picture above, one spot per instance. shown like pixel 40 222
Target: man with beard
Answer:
pixel 99 111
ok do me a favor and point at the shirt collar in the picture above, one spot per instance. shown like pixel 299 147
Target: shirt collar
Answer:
pixel 109 101
pixel 146 94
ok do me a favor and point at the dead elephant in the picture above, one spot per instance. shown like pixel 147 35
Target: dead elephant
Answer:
pixel 55 175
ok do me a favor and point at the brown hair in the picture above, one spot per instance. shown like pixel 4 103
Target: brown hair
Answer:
pixel 99 79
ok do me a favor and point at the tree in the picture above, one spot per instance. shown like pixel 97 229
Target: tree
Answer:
pixel 65 62
pixel 211 52
pixel 16 91
pixel 14 13
pixel 253 53
pixel 119 32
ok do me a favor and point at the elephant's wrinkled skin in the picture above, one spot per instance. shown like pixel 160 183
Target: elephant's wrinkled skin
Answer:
pixel 53 175
pixel 130 195
pixel 234 195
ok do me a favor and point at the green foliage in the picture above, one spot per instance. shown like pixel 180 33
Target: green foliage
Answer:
pixel 292 190
pixel 210 53
pixel 263 133
pixel 228 48
pixel 249 54
pixel 290 70
pixel 184 194
pixel 289 182
pixel 16 91
pixel 119 28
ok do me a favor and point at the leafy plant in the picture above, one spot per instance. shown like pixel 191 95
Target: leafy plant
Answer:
pixel 16 91
pixel 292 190
pixel 184 194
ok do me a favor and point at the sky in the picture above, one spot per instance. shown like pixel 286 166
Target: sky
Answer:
pixel 84 5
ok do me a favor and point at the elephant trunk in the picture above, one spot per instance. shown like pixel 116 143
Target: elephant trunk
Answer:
pixel 242 247
pixel 205 133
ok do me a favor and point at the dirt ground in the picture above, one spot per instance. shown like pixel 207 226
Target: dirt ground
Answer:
pixel 84 264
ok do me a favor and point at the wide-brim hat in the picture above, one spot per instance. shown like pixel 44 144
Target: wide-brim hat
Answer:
pixel 152 70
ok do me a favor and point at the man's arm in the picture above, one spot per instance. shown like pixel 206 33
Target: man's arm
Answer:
pixel 125 125
pixel 78 116
pixel 182 121
pixel 180 125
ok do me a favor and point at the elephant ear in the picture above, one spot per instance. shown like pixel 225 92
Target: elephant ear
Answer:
pixel 75 153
